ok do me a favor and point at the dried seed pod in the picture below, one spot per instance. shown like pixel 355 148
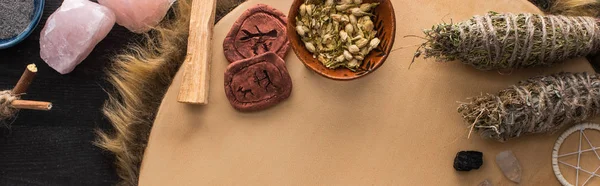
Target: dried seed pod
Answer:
pixel 300 30
pixel 367 7
pixel 345 18
pixel 362 42
pixel 364 51
pixel 539 105
pixel 310 47
pixel 346 1
pixel 309 9
pixel 359 57
pixel 343 35
pixel 507 41
pixel 322 59
pixel 329 2
pixel 303 10
pixel 360 32
pixel 353 49
pixel 354 39
pixel 374 43
pixel 353 63
pixel 342 7
pixel 349 29
pixel 353 19
pixel 368 25
pixel 357 38
pixel 358 2
pixel 347 55
pixel 364 18
pixel 358 12
pixel 340 58
pixel 336 17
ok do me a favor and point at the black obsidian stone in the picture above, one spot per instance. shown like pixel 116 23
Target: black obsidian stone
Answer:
pixel 468 160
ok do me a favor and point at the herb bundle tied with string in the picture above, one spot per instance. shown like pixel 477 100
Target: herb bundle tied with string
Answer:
pixel 542 104
pixel 509 41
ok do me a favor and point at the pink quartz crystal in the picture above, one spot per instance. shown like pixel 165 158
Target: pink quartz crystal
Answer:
pixel 72 32
pixel 138 15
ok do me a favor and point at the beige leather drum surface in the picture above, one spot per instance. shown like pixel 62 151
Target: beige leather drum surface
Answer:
pixel 397 126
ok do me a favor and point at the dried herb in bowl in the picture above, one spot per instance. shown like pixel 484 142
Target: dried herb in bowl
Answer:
pixel 337 33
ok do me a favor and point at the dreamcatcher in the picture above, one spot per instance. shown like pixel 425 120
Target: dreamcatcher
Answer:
pixel 584 159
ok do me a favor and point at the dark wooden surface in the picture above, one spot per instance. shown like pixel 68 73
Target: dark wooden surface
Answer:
pixel 55 148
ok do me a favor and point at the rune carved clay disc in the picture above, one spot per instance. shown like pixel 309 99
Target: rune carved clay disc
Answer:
pixel 259 30
pixel 257 83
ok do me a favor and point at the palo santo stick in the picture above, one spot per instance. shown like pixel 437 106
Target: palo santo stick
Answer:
pixel 196 67
pixel 21 88
pixel 26 79
pixel 31 105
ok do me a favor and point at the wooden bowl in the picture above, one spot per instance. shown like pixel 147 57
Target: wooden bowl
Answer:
pixel 385 24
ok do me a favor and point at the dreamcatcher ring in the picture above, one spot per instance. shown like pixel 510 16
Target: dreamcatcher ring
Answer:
pixel 582 139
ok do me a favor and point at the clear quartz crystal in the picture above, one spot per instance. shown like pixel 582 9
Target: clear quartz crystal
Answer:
pixel 508 163
pixel 138 15
pixel 72 32
pixel 485 183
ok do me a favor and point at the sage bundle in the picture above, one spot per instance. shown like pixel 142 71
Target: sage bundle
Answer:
pixel 538 105
pixel 509 41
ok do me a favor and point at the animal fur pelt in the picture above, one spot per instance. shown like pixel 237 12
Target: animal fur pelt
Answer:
pixel 570 7
pixel 141 76
pixel 575 7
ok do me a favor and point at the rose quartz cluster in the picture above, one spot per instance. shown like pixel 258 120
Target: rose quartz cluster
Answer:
pixel 138 15
pixel 72 32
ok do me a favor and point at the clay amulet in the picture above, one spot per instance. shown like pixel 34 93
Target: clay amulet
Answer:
pixel 259 30
pixel 257 83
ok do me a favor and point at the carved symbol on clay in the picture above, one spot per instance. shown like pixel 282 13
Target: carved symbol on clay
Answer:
pixel 257 83
pixel 245 91
pixel 265 76
pixel 262 39
pixel 259 30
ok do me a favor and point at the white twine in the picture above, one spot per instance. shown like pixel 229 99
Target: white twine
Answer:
pixel 6 111
pixel 524 40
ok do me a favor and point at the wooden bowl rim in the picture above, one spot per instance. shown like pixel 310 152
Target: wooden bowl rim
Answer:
pixel 291 32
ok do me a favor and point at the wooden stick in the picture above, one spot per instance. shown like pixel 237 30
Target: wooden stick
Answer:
pixel 26 79
pixel 21 88
pixel 31 105
pixel 196 72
